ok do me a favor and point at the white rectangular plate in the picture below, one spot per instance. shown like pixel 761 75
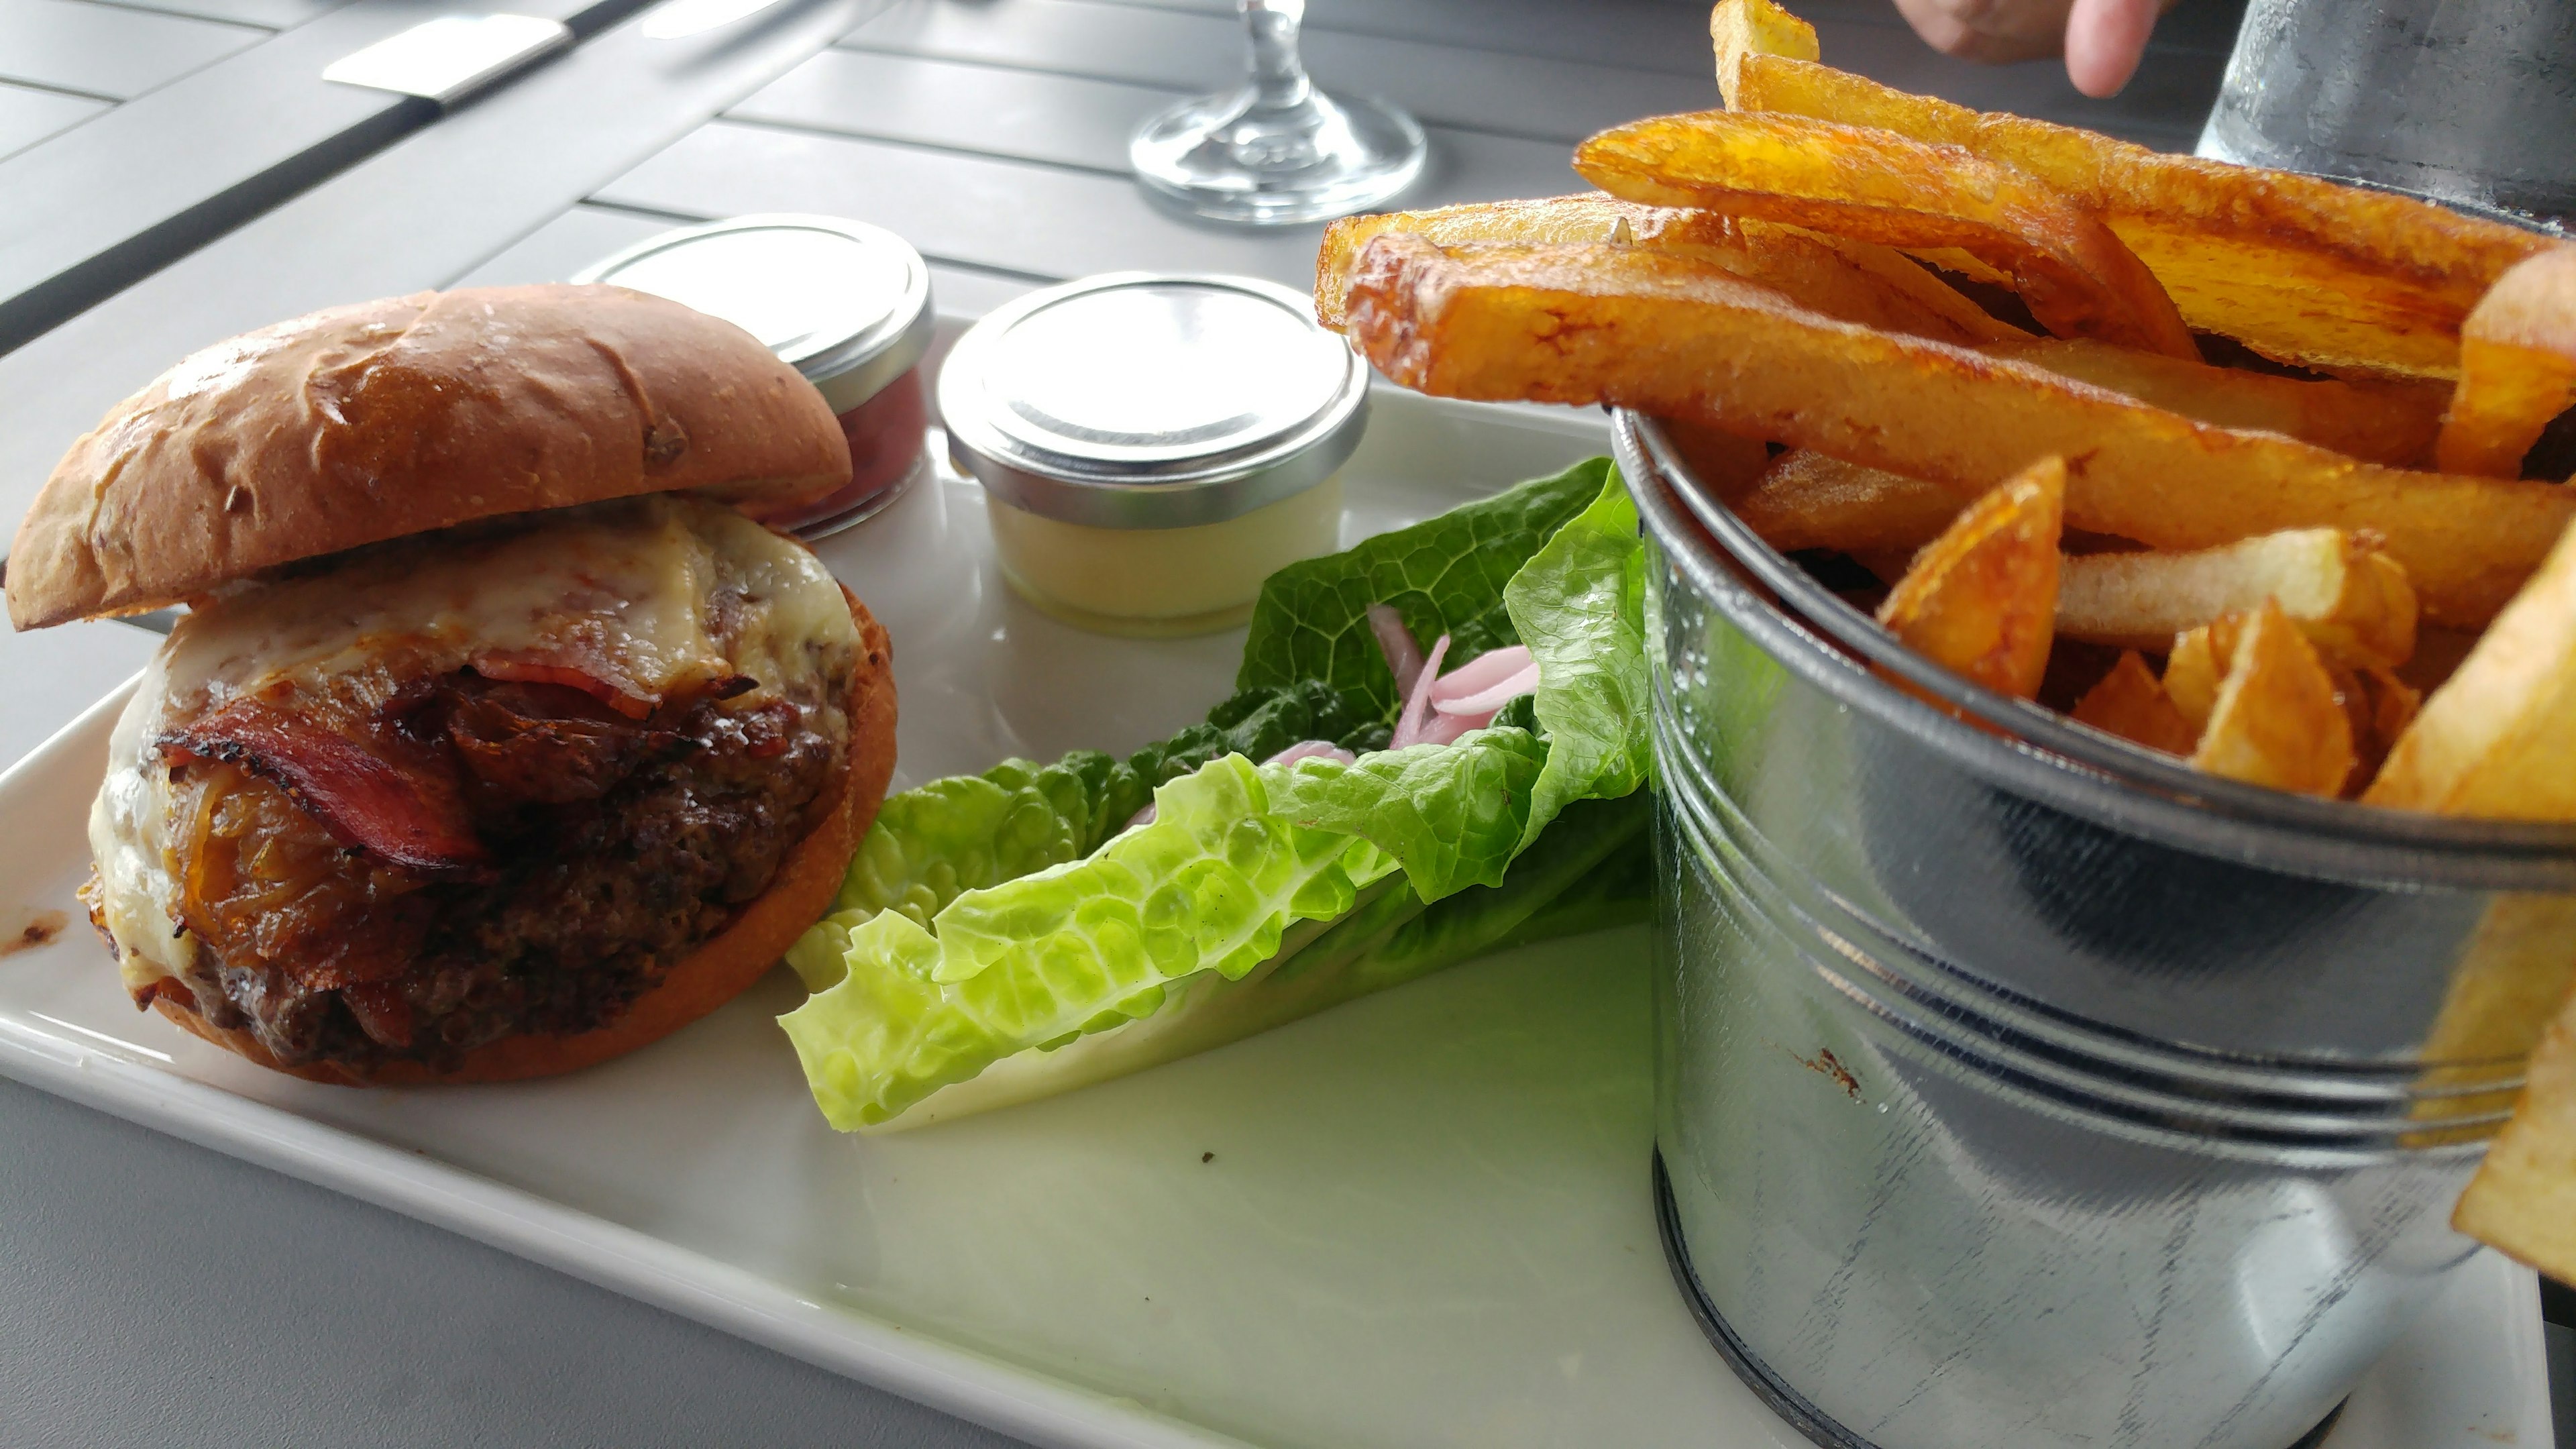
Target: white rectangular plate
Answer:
pixel 1422 1218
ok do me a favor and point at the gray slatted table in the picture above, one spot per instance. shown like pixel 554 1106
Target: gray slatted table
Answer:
pixel 154 1293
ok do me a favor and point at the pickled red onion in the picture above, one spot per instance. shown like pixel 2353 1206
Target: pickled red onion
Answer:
pixel 1403 655
pixel 1409 726
pixel 1486 683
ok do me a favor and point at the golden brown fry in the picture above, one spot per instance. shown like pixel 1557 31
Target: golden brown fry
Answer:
pixel 2523 1199
pixel 2517 367
pixel 1728 463
pixel 1847 280
pixel 2378 422
pixel 2131 704
pixel 2192 670
pixel 1737 28
pixel 1606 324
pixel 2380 706
pixel 2075 276
pixel 2350 599
pixel 1981 599
pixel 1807 500
pixel 2498 739
pixel 2243 252
pixel 2277 721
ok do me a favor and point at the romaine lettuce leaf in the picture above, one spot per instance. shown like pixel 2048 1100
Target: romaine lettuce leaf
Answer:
pixel 1579 604
pixel 1444 575
pixel 987 925
pixel 934 842
pixel 1210 885
pixel 1589 874
pixel 1453 814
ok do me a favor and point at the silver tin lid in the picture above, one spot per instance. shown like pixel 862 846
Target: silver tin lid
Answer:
pixel 844 303
pixel 1139 400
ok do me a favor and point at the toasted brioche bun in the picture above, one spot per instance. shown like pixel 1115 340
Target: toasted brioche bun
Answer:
pixel 707 977
pixel 359 424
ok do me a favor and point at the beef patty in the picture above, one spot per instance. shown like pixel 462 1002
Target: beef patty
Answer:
pixel 608 848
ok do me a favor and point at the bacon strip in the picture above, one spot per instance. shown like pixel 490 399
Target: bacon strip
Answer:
pixel 409 817
pixel 634 703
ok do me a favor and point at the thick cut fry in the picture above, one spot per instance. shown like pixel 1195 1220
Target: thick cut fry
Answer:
pixel 2131 704
pixel 2523 1199
pixel 2380 707
pixel 2377 422
pixel 2277 722
pixel 1807 500
pixel 1847 280
pixel 1606 324
pixel 1740 27
pixel 2075 276
pixel 2498 739
pixel 1813 501
pixel 2351 600
pixel 1982 598
pixel 2517 367
pixel 1728 463
pixel 2243 252
pixel 2192 671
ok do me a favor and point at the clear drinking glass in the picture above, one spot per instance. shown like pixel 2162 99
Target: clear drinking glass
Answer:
pixel 1278 151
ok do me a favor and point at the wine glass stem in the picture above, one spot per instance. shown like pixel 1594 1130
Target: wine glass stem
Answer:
pixel 1278 77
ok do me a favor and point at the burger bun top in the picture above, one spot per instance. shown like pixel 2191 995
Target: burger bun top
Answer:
pixel 359 424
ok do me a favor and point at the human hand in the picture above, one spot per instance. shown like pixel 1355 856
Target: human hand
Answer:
pixel 2102 40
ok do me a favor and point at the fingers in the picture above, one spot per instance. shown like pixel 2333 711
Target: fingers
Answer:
pixel 1993 31
pixel 2105 40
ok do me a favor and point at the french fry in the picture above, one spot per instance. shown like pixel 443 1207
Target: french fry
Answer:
pixel 2523 1199
pixel 1731 464
pixel 2378 422
pixel 2192 670
pixel 1617 325
pixel 1807 500
pixel 1982 598
pixel 2243 252
pixel 2517 367
pixel 2277 721
pixel 2498 739
pixel 1737 28
pixel 2075 276
pixel 2131 704
pixel 1812 501
pixel 1851 281
pixel 2380 707
pixel 2350 599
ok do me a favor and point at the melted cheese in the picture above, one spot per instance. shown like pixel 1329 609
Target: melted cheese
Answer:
pixel 633 591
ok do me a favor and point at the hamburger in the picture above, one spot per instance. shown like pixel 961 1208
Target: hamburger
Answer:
pixel 496 741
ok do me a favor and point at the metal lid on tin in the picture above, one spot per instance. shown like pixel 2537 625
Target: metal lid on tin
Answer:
pixel 844 303
pixel 1137 400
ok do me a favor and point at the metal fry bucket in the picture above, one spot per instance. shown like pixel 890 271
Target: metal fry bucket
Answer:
pixel 2020 1087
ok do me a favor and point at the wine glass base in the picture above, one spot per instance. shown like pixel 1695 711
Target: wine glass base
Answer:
pixel 1229 158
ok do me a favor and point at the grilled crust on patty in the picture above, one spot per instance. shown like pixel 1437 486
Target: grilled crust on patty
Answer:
pixel 711 974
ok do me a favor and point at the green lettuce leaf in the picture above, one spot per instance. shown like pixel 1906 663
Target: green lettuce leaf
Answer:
pixel 1444 575
pixel 1452 814
pixel 1579 604
pixel 1591 873
pixel 1210 885
pixel 989 947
